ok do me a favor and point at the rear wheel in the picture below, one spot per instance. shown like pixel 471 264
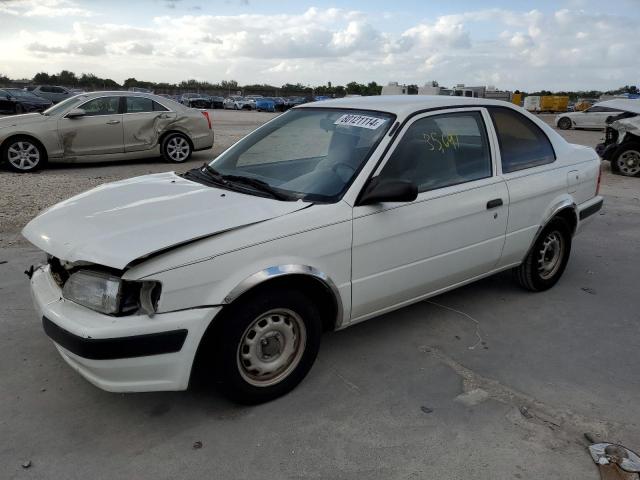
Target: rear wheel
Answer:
pixel 627 162
pixel 23 154
pixel 548 258
pixel 564 123
pixel 266 345
pixel 176 148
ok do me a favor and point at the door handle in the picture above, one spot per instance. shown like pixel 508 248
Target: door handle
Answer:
pixel 496 202
pixel 113 122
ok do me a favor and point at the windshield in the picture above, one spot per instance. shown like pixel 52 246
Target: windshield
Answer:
pixel 62 106
pixel 310 153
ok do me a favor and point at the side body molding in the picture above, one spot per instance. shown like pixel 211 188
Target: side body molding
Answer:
pixel 282 270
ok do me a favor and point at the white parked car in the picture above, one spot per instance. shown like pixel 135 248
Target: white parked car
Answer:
pixel 328 215
pixel 239 103
pixel 595 116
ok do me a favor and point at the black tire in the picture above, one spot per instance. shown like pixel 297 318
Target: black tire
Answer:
pixel 176 148
pixel 19 109
pixel 35 154
pixel 627 160
pixel 531 273
pixel 233 371
pixel 564 123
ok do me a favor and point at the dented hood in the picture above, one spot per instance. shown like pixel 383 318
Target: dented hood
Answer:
pixel 119 222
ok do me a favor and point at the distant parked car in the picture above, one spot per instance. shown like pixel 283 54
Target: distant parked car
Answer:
pixel 15 100
pixel 295 101
pixel 216 102
pixel 265 105
pixel 51 92
pixel 239 103
pixel 593 117
pixel 196 100
pixel 103 126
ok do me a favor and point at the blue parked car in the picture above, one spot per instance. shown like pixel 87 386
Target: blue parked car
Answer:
pixel 265 105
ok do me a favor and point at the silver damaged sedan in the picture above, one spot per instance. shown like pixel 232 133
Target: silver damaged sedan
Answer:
pixel 104 126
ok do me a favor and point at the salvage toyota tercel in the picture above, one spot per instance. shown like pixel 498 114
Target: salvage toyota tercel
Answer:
pixel 321 218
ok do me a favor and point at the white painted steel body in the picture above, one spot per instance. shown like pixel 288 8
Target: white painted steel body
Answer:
pixel 206 249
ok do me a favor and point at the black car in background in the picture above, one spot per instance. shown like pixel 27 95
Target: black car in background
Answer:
pixel 16 100
pixel 216 102
pixel 196 100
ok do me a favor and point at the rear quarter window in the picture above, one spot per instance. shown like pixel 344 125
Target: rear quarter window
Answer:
pixel 522 143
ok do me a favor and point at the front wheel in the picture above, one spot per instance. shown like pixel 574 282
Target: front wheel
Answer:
pixel 627 161
pixel 22 155
pixel 176 148
pixel 545 263
pixel 266 345
pixel 564 123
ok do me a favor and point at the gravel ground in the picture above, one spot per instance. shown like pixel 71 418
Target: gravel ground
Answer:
pixel 24 195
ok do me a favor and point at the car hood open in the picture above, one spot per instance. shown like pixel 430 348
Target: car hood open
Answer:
pixel 120 222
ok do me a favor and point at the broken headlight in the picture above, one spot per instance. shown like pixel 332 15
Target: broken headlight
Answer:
pixel 109 294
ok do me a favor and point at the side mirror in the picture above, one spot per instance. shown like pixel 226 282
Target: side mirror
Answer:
pixel 388 190
pixel 76 113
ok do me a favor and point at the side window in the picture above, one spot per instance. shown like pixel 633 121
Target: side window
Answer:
pixel 440 151
pixel 159 108
pixel 101 106
pixel 46 89
pixel 522 143
pixel 139 105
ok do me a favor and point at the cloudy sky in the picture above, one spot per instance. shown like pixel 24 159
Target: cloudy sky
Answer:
pixel 562 44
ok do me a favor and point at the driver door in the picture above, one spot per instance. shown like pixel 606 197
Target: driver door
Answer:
pixel 453 231
pixel 99 131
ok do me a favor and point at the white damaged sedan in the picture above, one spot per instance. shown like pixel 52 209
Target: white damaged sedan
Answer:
pixel 324 217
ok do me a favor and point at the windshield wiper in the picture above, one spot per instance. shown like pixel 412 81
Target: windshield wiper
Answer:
pixel 256 184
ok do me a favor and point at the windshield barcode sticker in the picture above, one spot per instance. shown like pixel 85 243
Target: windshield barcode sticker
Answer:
pixel 362 121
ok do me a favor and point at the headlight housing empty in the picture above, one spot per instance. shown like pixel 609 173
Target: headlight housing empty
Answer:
pixel 110 294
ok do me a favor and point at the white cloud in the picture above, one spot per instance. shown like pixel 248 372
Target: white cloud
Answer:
pixel 43 8
pixel 562 49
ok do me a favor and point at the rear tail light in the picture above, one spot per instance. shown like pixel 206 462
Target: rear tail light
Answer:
pixel 598 184
pixel 206 115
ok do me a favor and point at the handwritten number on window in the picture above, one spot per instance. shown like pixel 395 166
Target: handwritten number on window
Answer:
pixel 440 142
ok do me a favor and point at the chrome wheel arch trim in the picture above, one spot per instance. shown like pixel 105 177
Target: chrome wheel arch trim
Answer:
pixel 564 205
pixel 276 271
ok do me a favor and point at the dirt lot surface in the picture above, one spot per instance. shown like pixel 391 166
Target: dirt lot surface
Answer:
pixel 408 395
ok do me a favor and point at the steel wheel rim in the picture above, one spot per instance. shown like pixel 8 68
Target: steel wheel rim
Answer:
pixel 629 162
pixel 550 255
pixel 271 347
pixel 23 155
pixel 178 149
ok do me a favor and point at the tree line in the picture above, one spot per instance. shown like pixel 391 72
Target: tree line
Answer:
pixel 90 81
pixel 93 82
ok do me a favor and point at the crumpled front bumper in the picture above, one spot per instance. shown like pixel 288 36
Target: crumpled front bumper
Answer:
pixel 134 353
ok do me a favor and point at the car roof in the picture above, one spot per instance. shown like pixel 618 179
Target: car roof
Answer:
pixel 403 105
pixel 622 104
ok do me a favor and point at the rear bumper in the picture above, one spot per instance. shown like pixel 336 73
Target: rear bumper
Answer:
pixel 135 353
pixel 587 211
